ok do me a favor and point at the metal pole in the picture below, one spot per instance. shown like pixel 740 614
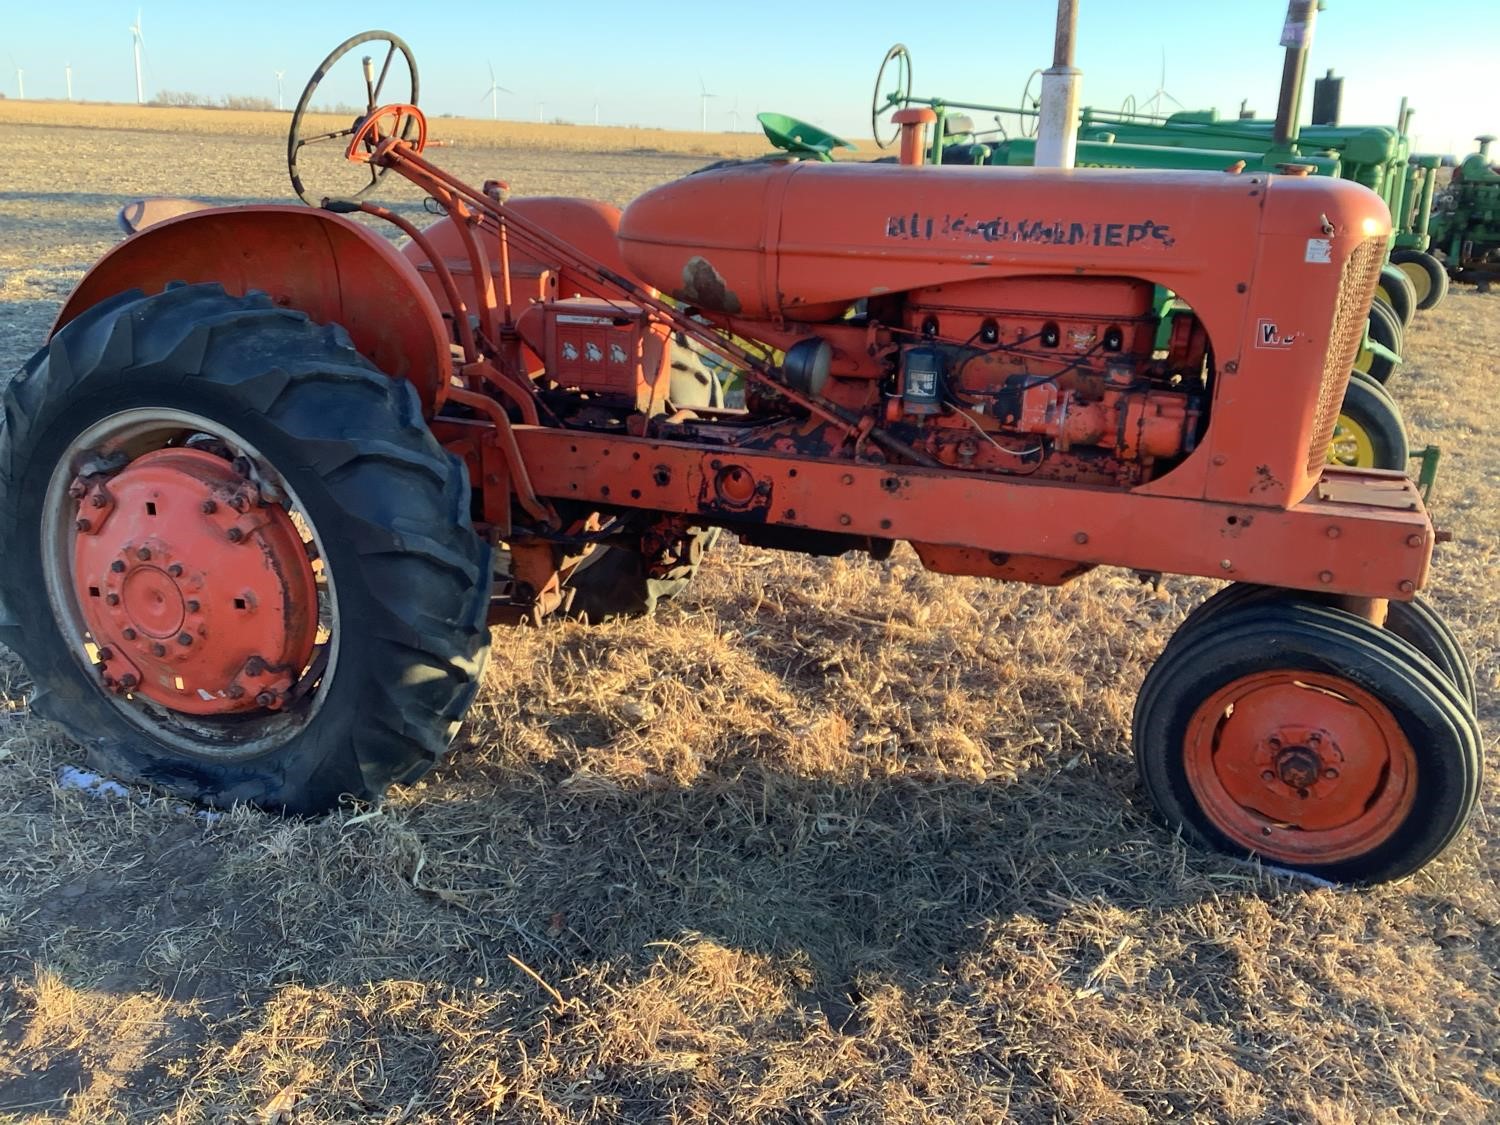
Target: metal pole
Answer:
pixel 1296 37
pixel 1057 117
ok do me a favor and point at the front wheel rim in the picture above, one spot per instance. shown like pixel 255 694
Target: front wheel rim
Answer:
pixel 1300 767
pixel 188 580
pixel 1352 445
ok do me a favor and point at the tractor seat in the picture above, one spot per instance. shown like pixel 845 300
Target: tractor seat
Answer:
pixel 957 124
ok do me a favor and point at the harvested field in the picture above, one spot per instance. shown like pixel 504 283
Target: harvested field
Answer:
pixel 824 841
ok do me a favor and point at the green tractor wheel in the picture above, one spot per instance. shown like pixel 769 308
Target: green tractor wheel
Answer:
pixel 1369 433
pixel 1397 291
pixel 1429 280
pixel 1385 331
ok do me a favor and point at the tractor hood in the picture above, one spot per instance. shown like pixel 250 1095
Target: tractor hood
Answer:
pixel 806 240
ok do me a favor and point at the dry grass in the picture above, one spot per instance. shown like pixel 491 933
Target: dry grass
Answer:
pixel 827 841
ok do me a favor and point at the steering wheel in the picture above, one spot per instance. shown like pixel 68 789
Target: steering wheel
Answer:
pixel 897 97
pixel 1031 107
pixel 1127 107
pixel 371 97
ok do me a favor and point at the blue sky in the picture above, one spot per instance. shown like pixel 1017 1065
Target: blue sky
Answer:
pixel 643 64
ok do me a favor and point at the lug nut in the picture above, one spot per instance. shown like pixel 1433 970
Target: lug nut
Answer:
pixel 117 566
pixel 1330 774
pixel 235 535
pixel 158 649
pixel 106 653
pixel 77 489
pixel 255 666
pixel 127 681
pixel 1267 775
pixel 184 638
pixel 97 500
pixel 235 691
pixel 265 699
pixel 175 570
pixel 208 507
pixel 83 525
pixel 192 606
pixel 144 554
pixel 128 634
pixel 111 599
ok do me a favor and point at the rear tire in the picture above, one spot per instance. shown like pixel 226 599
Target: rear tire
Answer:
pixel 407 579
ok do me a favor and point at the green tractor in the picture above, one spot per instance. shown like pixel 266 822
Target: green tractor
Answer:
pixel 1466 225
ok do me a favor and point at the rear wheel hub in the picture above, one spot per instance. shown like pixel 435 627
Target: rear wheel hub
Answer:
pixel 199 595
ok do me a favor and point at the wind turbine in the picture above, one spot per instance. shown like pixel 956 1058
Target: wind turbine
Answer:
pixel 495 88
pixel 20 78
pixel 137 41
pixel 1161 90
pixel 280 74
pixel 734 116
pixel 68 78
pixel 703 96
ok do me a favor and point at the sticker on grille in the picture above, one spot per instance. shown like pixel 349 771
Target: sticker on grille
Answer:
pixel 1349 316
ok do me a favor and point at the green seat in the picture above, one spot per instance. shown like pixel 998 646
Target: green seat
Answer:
pixel 799 137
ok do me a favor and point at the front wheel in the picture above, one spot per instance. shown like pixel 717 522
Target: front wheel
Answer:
pixel 1305 735
pixel 1369 432
pixel 238 566
pixel 1428 277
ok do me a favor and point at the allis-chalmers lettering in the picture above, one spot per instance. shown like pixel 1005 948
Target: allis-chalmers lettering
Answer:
pixel 1051 233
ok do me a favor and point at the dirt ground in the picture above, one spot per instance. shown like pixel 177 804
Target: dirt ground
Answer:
pixel 825 841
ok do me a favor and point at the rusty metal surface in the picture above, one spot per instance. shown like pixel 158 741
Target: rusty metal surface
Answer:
pixel 1358 543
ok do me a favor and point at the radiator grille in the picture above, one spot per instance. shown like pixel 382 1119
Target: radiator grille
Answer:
pixel 1349 315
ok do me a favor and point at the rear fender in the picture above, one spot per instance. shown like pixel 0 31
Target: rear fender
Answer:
pixel 334 270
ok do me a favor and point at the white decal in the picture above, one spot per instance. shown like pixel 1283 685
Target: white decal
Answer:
pixel 1267 335
pixel 1319 250
pixel 591 352
pixel 569 351
pixel 616 354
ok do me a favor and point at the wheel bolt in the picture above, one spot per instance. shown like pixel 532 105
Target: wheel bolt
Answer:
pixel 77 489
pixel 235 691
pixel 255 666
pixel 235 535
pixel 97 500
pixel 1330 774
pixel 184 638
pixel 192 606
pixel 1267 775
pixel 265 699
pixel 111 599
pixel 106 653
pixel 175 570
pixel 1274 743
pixel 127 681
pixel 83 525
pixel 208 507
pixel 117 566
pixel 144 554
pixel 128 634
pixel 158 649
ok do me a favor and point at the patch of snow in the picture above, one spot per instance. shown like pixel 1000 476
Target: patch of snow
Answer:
pixel 71 777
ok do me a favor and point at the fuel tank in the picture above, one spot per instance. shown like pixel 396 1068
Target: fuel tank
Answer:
pixel 805 240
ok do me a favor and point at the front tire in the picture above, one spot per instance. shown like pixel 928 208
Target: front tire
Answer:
pixel 185 403
pixel 1428 277
pixel 1305 735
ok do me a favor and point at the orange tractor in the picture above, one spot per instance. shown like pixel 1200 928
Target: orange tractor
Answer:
pixel 271 480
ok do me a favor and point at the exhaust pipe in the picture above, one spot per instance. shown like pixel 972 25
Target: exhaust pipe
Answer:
pixel 1057 119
